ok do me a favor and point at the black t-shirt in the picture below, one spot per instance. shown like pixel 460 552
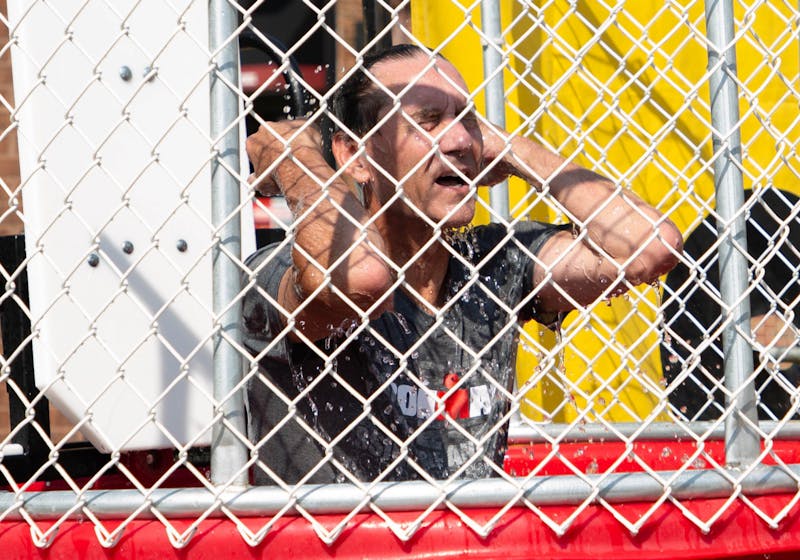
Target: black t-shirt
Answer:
pixel 407 394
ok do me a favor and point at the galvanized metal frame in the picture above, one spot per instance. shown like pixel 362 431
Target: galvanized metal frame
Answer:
pixel 742 442
pixel 230 454
pixel 264 501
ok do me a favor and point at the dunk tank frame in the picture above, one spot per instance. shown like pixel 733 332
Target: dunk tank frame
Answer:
pixel 661 424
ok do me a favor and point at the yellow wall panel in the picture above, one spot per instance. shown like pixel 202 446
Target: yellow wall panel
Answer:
pixel 626 94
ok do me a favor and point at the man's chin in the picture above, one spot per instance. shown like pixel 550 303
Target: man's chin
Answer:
pixel 448 217
pixel 460 218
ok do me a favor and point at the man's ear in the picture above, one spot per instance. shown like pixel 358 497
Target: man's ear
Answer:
pixel 344 151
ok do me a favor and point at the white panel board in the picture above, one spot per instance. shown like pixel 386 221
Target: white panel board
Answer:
pixel 117 213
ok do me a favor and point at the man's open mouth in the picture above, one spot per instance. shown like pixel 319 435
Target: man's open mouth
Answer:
pixel 451 181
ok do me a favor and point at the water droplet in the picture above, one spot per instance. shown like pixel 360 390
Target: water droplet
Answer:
pixel 403 323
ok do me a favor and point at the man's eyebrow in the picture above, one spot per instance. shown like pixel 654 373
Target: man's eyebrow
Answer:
pixel 423 113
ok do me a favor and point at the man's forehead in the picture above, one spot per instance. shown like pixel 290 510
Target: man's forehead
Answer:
pixel 417 76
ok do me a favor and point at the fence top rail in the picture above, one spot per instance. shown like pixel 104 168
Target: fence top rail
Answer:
pixel 521 431
pixel 262 501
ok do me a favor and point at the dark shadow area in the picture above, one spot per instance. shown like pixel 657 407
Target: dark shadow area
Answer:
pixel 693 317
pixel 78 459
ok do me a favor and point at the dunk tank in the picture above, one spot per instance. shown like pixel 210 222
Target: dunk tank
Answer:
pixel 658 424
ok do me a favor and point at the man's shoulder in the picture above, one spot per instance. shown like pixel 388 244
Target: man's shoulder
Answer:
pixel 276 250
pixel 268 265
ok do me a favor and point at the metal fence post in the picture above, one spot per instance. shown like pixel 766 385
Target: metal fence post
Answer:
pixel 741 440
pixel 495 94
pixel 228 453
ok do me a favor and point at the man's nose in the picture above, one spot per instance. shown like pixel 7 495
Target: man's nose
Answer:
pixel 456 138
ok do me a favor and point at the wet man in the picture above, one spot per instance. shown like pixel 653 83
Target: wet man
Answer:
pixel 385 329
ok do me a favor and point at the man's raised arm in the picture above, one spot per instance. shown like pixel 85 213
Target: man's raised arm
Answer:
pixel 621 239
pixel 339 270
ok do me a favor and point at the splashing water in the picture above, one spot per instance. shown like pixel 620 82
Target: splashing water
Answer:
pixel 402 321
pixel 465 237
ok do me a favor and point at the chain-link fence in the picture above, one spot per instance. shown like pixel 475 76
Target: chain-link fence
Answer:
pixel 186 332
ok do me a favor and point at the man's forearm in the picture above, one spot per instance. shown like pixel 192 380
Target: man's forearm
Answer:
pixel 617 222
pixel 338 258
pixel 331 239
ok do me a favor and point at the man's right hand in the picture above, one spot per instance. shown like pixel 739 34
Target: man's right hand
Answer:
pixel 494 167
pixel 270 147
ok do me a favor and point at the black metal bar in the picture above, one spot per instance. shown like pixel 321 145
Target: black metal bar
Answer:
pixel 79 459
pixel 249 40
pixel 376 20
pixel 15 325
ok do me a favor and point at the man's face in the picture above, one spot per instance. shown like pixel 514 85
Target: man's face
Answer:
pixel 432 110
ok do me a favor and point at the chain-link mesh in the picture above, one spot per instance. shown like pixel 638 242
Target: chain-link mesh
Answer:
pixel 115 313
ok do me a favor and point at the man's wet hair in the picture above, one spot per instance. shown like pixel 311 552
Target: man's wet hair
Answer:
pixel 358 100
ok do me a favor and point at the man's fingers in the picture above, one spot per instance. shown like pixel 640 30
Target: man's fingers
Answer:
pixel 264 184
pixel 268 146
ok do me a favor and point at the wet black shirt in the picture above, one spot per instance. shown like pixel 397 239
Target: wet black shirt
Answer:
pixel 409 393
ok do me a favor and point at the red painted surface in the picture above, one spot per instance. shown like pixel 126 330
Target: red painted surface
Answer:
pixel 267 209
pixel 668 533
pixel 254 75
pixel 602 456
pixel 519 534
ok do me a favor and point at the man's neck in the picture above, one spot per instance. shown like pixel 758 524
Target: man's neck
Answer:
pixel 409 244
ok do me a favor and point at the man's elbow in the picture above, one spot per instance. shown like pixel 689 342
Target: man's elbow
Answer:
pixel 370 287
pixel 354 287
pixel 663 253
